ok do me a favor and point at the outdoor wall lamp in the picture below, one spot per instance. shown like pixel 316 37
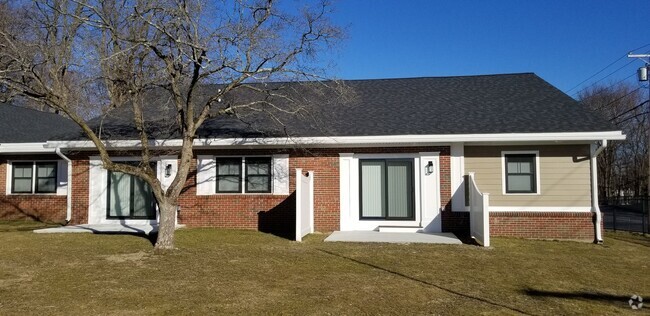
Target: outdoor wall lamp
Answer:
pixel 168 170
pixel 429 168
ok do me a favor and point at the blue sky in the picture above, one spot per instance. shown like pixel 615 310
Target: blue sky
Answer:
pixel 564 42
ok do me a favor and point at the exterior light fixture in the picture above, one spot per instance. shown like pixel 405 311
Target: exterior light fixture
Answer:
pixel 429 168
pixel 168 170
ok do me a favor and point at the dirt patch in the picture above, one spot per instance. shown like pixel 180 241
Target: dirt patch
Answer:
pixel 137 258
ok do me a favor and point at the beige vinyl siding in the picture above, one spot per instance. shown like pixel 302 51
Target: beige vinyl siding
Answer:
pixel 564 175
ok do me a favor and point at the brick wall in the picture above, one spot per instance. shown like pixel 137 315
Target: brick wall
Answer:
pixel 543 225
pixel 39 207
pixel 275 213
pixel 80 189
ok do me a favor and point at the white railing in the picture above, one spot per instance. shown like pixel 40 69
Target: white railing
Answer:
pixel 304 204
pixel 479 213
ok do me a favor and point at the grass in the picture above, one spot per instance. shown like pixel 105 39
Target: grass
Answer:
pixel 246 272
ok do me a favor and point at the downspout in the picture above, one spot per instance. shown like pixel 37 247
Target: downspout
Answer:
pixel 596 149
pixel 68 211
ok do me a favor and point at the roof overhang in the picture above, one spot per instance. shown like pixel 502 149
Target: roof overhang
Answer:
pixel 358 141
pixel 25 148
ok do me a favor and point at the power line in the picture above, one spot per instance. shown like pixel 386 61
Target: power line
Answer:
pixel 594 75
pixel 605 89
pixel 619 99
pixel 629 110
pixel 603 78
pixel 632 117
pixel 600 71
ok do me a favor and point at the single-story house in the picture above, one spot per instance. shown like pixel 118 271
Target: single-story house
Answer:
pixel 396 154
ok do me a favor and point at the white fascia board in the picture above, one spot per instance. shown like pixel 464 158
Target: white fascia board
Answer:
pixel 347 141
pixel 17 148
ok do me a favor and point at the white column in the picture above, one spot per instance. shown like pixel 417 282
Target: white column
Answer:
pixel 457 166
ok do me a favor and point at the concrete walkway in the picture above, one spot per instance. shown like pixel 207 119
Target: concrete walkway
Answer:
pixel 402 238
pixel 101 229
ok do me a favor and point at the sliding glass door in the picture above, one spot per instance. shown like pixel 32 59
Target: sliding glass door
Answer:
pixel 129 197
pixel 386 189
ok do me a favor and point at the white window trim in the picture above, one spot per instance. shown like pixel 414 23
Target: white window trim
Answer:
pixel 427 207
pixel 10 171
pixel 98 183
pixel 538 175
pixel 243 175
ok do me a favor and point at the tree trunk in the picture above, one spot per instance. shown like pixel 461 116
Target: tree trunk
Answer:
pixel 167 226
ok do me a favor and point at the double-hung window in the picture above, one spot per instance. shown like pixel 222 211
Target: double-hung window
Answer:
pixel 258 175
pixel 33 177
pixel 521 173
pixel 243 175
pixel 228 175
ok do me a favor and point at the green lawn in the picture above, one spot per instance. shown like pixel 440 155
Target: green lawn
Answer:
pixel 246 272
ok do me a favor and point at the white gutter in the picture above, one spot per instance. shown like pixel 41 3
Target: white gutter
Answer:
pixel 354 140
pixel 68 211
pixel 596 149
pixel 18 148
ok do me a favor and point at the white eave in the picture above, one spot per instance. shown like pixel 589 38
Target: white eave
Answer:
pixel 19 148
pixel 349 141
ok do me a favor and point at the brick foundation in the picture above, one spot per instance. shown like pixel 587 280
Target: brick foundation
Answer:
pixel 543 225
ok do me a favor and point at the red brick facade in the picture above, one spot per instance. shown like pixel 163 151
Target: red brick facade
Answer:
pixel 40 207
pixel 276 213
pixel 80 190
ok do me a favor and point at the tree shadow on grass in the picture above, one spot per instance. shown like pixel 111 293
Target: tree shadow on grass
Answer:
pixel 427 283
pixel 151 236
pixel 588 296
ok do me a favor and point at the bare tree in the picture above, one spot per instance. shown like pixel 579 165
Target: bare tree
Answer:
pixel 100 56
pixel 623 166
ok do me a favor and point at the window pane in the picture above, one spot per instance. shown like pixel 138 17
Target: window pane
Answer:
pixel 520 167
pixel 258 184
pixel 22 185
pixel 520 183
pixel 46 185
pixel 228 166
pixel 46 170
pixel 372 188
pixel 399 189
pixel 119 203
pixel 22 170
pixel 258 166
pixel 142 199
pixel 228 184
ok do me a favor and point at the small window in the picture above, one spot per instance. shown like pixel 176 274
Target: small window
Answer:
pixel 33 177
pixel 258 175
pixel 22 177
pixel 228 175
pixel 520 173
pixel 45 177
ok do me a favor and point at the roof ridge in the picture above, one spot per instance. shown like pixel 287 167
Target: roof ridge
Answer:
pixel 387 79
pixel 442 77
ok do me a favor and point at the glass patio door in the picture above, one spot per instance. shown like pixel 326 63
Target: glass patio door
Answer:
pixel 386 189
pixel 129 197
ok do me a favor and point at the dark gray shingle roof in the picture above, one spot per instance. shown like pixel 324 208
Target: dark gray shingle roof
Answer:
pixel 23 125
pixel 508 103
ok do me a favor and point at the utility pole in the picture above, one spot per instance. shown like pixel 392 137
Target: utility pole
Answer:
pixel 643 76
